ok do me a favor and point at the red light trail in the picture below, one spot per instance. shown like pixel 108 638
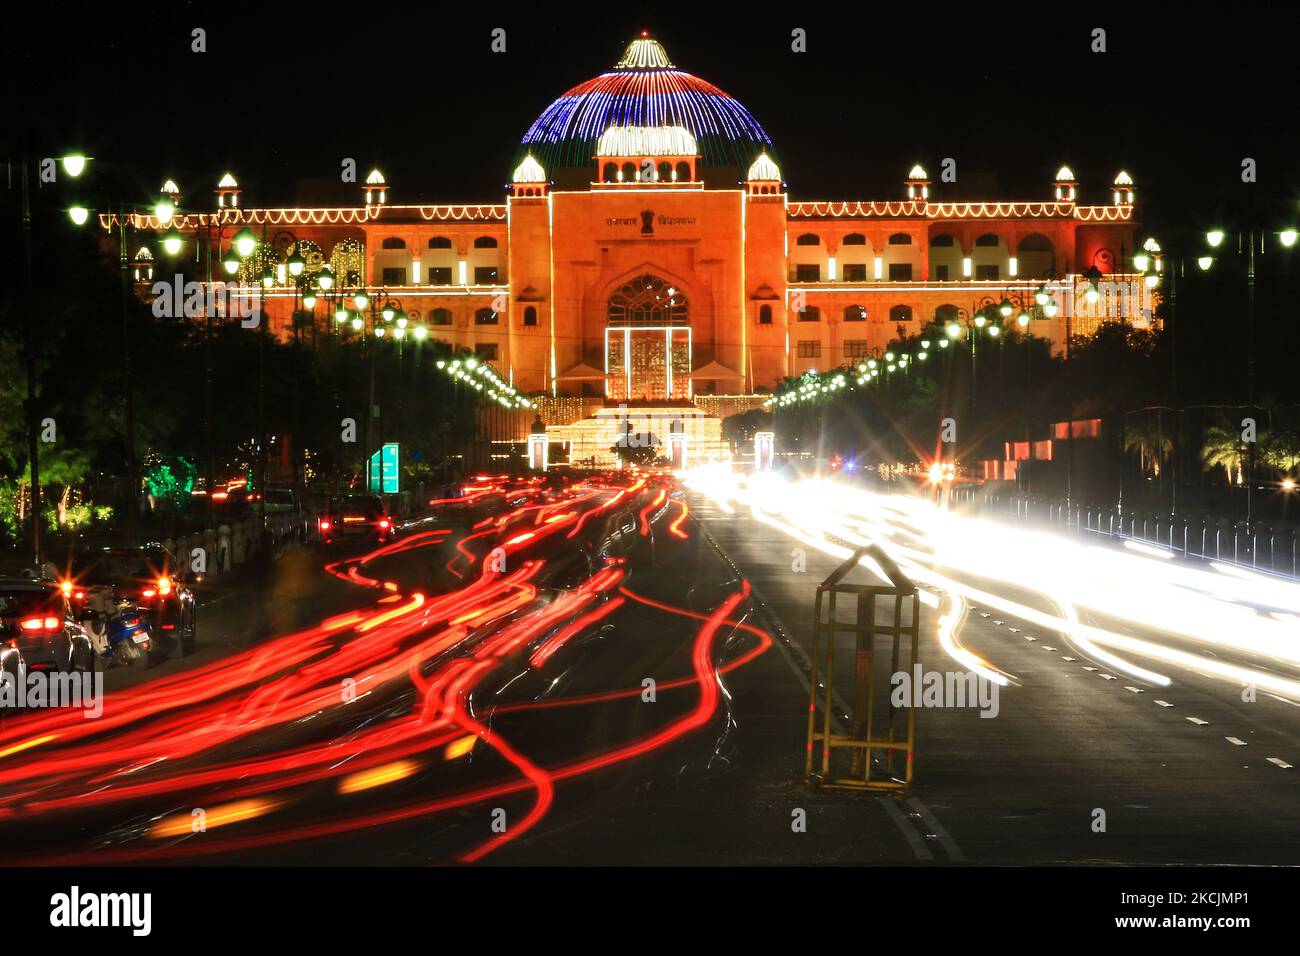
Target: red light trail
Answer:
pixel 165 739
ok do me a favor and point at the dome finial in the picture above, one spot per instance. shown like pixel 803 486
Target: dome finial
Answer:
pixel 644 53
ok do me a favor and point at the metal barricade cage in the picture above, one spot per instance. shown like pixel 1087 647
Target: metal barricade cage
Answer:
pixel 886 615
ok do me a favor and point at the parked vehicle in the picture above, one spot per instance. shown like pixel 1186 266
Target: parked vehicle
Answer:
pixel 147 579
pixel 39 630
pixel 119 632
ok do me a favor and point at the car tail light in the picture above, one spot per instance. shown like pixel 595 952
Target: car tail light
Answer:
pixel 324 524
pixel 40 624
pixel 148 593
pixel 383 523
pixel 164 586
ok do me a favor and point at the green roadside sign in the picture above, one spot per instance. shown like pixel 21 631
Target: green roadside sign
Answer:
pixel 383 470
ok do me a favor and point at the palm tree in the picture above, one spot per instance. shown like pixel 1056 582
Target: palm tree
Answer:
pixel 1224 449
pixel 1151 443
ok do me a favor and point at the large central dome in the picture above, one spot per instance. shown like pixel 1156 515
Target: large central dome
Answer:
pixel 644 89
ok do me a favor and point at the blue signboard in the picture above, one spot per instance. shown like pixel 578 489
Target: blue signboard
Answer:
pixel 383 469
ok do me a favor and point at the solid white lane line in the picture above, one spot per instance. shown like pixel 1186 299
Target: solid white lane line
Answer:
pixel 945 839
pixel 913 838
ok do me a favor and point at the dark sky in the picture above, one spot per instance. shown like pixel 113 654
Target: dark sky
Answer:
pixel 1179 98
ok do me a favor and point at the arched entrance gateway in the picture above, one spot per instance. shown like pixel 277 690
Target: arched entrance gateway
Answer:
pixel 648 342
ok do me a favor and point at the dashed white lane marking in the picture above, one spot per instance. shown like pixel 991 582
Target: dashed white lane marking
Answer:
pixel 1108 677
pixel 1070 659
pixel 1235 741
pixel 1278 761
pixel 1028 638
pixel 1048 648
pixel 1198 722
pixel 1130 687
pixel 1164 703
pixel 1087 668
pixel 999 623
pixel 1014 630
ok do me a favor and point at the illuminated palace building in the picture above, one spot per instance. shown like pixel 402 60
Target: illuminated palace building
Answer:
pixel 648 255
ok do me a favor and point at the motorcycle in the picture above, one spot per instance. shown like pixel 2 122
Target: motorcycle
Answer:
pixel 119 634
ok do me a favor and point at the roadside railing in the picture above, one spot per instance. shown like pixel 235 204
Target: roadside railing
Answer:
pixel 1270 547
pixel 220 550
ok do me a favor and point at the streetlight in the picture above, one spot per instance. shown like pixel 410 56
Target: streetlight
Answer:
pixel 245 242
pixel 1253 236
pixel 73 164
pixel 172 245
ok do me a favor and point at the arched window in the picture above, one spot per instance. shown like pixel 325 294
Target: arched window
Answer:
pixel 1034 242
pixel 485 242
pixel 683 172
pixel 440 317
pixel 530 315
pixel 988 239
pixel 855 313
pixel 439 242
pixel 665 172
pixel 810 314
pixel 393 242
pixel 900 313
pixel 485 316
pixel 609 173
pixel 946 313
pixel 629 173
pixel 855 239
pixel 808 239
pixel 900 239
pixel 764 315
pixel 650 300
pixel 941 241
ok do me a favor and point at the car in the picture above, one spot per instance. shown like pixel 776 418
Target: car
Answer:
pixel 39 630
pixel 146 576
pixel 356 517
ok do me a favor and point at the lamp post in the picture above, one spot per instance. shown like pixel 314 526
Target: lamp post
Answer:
pixel 1251 236
pixel 164 210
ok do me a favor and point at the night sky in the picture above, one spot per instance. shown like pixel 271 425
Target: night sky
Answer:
pixel 1178 100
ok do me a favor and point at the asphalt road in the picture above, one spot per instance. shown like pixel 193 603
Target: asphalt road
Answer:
pixel 615 672
pixel 1191 769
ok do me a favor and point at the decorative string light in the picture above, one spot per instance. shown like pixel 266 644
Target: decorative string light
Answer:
pixel 645 90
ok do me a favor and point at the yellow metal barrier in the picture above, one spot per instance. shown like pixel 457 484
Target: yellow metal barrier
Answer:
pixel 868 624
